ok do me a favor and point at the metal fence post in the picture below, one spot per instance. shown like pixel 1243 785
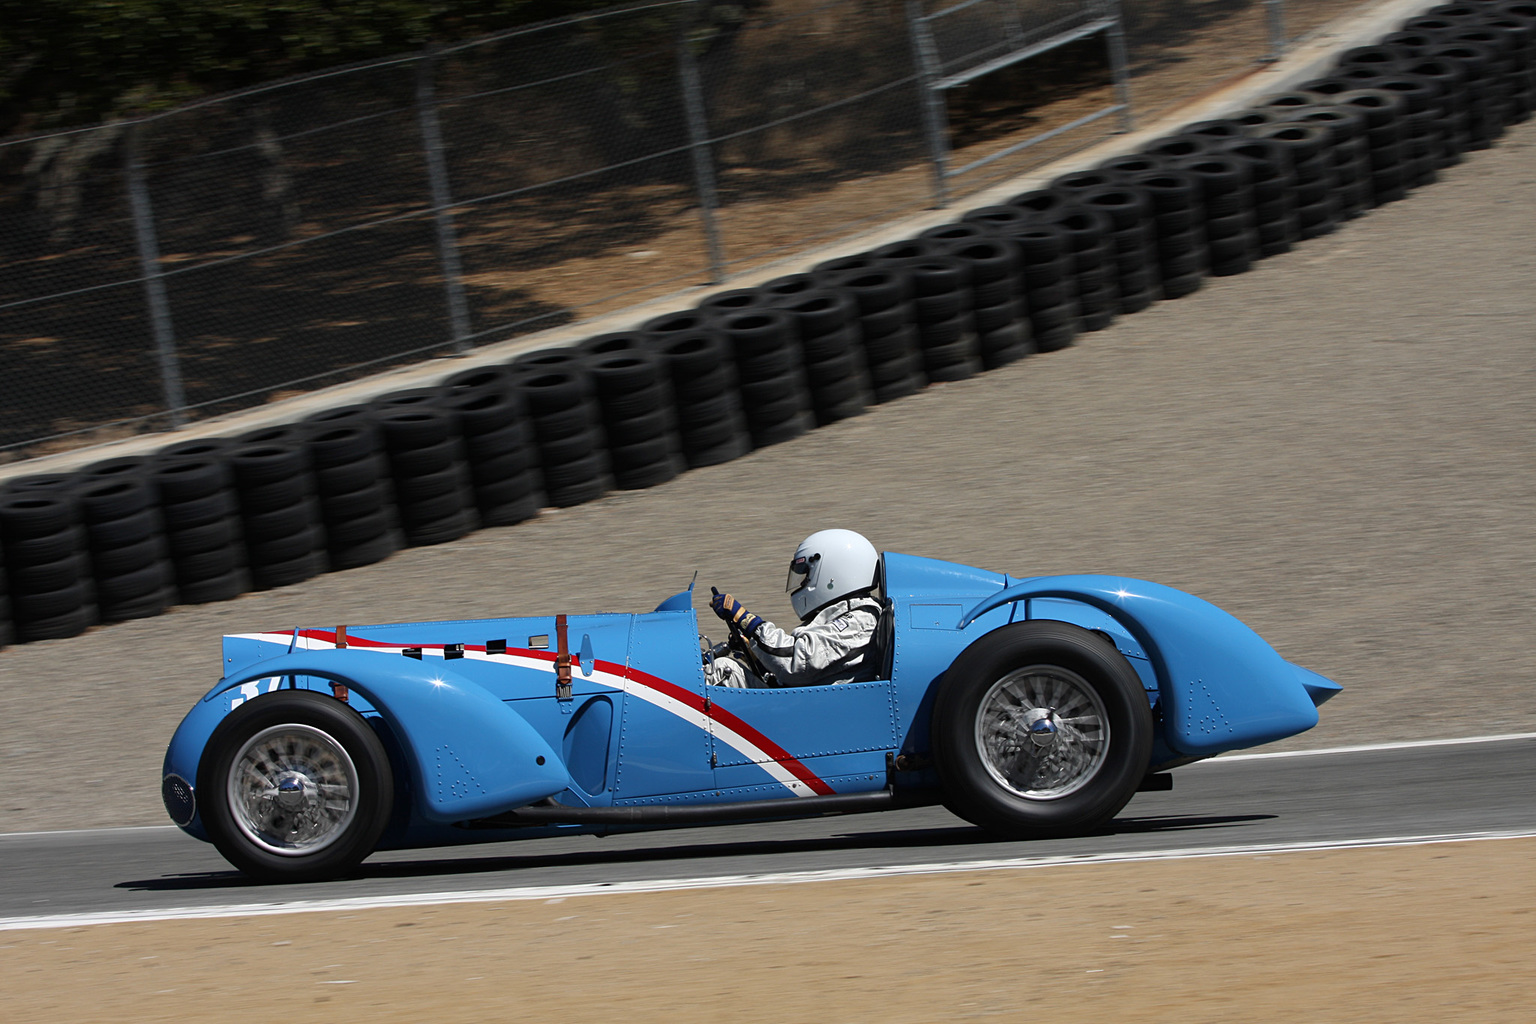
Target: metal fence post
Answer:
pixel 935 117
pixel 698 144
pixel 1119 63
pixel 1275 16
pixel 437 181
pixel 154 283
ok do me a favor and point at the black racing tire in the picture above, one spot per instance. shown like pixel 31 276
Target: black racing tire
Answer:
pixel 876 289
pixel 116 497
pixel 130 529
pixel 123 558
pixel 317 737
pixel 285 574
pixel 361 530
pixel 930 309
pixel 1040 729
pixel 224 587
pixel 275 495
pixel 995 293
pixel 280 522
pixel 634 429
pixel 198 511
pixel 414 489
pixel 365 552
pixel 991 318
pixel 496 468
pixel 45 604
pixel 352 504
pixel 28 514
pixel 203 537
pixel 353 476
pixel 207 565
pixel 514 437
pixel 497 378
pixel 278 551
pixel 132 586
pixel 676 324
pixel 732 447
pixel 486 410
pixel 186 479
pixel 144 607
pixel 819 312
pixel 1056 338
pixel 342 444
pixel 55 627
pixel 43 577
pixel 885 322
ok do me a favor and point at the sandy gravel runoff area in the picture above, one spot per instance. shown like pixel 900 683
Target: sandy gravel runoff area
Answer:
pixel 1426 933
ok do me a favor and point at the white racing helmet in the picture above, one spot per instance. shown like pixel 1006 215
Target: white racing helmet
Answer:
pixel 828 565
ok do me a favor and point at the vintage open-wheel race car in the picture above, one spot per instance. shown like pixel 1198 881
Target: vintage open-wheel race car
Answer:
pixel 1031 707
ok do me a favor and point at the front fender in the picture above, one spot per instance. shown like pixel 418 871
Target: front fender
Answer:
pixel 1222 686
pixel 471 754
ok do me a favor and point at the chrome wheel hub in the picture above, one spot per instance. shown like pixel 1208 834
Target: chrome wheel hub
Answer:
pixel 1042 732
pixel 292 789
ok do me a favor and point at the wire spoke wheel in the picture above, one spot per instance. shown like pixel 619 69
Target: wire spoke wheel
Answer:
pixel 1042 732
pixel 293 789
pixel 1040 728
pixel 296 787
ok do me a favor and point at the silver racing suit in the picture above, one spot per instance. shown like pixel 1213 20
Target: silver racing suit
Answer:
pixel 829 648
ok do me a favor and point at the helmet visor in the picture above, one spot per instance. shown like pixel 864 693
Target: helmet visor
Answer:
pixel 799 571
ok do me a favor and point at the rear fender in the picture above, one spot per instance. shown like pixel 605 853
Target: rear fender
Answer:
pixel 1222 686
pixel 470 754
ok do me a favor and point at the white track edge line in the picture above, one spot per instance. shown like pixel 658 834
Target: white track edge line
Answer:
pixel 1367 748
pixel 558 892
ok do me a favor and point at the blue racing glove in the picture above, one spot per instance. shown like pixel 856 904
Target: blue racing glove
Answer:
pixel 733 611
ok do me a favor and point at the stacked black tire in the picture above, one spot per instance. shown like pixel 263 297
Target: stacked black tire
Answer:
pixel 279 513
pixel 499 445
pixel 567 429
pixel 1132 237
pixel 353 487
pixel 945 313
pixel 46 563
pixel 998 310
pixel 639 417
pixel 434 498
pixel 1178 228
pixel 201 513
pixel 711 426
pixel 826 324
pixel 770 373
pixel 887 325
pixel 125 540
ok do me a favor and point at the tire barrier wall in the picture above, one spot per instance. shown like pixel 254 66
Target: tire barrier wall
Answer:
pixel 206 520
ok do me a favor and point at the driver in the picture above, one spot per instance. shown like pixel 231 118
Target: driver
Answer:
pixel 835 571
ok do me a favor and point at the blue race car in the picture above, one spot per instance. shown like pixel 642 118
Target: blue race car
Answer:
pixel 1031 707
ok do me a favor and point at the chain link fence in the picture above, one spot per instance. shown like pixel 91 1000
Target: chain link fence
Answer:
pixel 244 248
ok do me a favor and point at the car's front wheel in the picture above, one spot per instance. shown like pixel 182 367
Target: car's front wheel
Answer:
pixel 295 786
pixel 1041 729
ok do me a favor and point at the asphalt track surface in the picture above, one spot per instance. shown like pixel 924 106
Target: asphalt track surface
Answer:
pixel 1361 795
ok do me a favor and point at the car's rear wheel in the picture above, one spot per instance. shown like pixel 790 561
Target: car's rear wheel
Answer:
pixel 1041 729
pixel 295 786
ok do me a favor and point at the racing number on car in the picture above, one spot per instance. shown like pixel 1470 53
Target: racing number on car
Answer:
pixel 254 689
